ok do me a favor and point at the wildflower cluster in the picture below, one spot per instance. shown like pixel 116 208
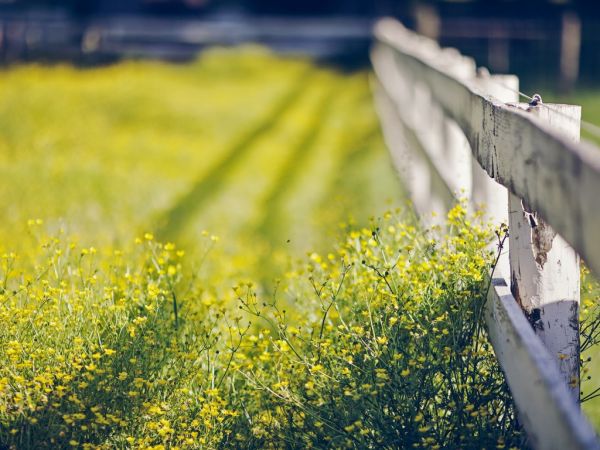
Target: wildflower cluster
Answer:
pixel 377 344
pixel 96 352
pixel 389 352
pixel 111 342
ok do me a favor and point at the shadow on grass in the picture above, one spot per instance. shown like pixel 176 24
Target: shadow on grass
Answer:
pixel 174 220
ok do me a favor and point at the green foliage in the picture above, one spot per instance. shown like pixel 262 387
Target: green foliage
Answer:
pixel 94 351
pixel 389 351
pixel 377 344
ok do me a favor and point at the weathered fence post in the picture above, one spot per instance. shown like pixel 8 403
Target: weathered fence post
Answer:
pixel 427 21
pixel 545 269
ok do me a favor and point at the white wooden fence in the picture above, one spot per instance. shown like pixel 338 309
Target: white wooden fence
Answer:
pixel 453 130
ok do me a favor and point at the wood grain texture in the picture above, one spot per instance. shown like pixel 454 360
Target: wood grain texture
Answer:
pixel 545 269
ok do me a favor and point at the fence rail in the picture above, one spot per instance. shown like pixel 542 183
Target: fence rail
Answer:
pixel 453 130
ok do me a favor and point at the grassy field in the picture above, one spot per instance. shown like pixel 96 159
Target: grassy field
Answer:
pixel 222 145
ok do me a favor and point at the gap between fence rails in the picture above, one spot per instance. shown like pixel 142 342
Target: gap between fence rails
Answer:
pixel 588 126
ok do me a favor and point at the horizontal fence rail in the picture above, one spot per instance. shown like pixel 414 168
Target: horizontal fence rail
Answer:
pixel 455 131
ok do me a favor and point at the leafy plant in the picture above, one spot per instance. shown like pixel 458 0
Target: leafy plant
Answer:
pixel 378 344
pixel 392 353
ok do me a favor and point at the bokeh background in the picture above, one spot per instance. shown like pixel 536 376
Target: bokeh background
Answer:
pixel 549 43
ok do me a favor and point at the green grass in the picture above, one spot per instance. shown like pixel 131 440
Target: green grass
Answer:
pixel 247 162
pixel 590 111
pixel 228 143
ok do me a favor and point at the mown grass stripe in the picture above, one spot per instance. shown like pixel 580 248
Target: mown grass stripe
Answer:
pixel 312 186
pixel 268 225
pixel 175 218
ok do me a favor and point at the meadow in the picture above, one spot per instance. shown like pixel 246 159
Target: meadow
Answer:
pixel 219 254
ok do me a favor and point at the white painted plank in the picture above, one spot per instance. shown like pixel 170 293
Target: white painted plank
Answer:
pixel 546 409
pixel 412 108
pixel 545 269
pixel 558 178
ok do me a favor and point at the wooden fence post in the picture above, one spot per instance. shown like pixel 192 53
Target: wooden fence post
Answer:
pixel 545 269
pixel 570 48
pixel 427 21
